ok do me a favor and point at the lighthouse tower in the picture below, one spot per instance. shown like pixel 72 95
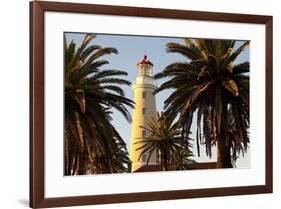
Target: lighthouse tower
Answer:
pixel 145 108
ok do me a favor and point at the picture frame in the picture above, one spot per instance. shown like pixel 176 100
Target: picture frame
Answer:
pixel 38 10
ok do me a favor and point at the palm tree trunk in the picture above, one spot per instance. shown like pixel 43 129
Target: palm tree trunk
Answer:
pixel 165 161
pixel 163 165
pixel 223 148
pixel 223 155
pixel 162 160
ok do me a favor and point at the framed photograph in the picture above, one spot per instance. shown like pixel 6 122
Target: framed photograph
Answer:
pixel 140 104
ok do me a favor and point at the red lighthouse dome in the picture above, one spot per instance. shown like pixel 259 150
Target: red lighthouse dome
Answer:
pixel 144 61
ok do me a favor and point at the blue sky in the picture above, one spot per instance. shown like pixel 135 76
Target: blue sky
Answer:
pixel 131 49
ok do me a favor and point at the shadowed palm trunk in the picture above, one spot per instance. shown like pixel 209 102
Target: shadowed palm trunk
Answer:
pixel 165 161
pixel 223 144
pixel 223 155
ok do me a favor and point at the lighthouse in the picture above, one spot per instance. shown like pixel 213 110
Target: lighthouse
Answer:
pixel 145 108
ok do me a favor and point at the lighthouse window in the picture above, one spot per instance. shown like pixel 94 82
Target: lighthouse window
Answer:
pixel 143 111
pixel 143 95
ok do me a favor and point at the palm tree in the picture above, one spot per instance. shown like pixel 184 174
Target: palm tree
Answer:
pixel 183 159
pixel 164 139
pixel 92 144
pixel 213 87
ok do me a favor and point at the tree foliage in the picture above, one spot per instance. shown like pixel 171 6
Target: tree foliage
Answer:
pixel 213 86
pixel 92 144
pixel 165 140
